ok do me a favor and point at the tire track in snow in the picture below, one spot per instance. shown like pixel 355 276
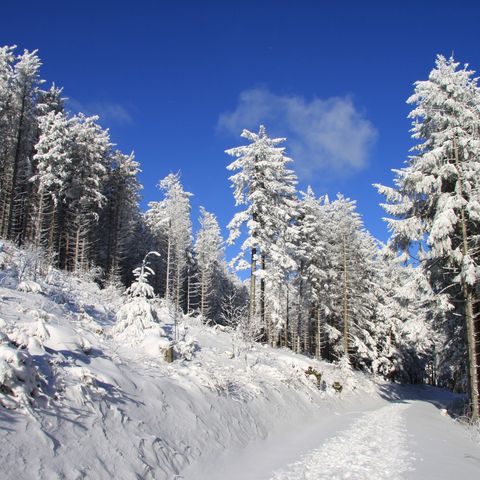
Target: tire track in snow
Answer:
pixel 373 448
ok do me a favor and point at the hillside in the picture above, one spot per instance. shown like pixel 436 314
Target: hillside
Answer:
pixel 78 403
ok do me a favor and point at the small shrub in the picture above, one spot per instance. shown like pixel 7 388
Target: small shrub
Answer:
pixel 18 375
pixel 316 374
pixel 337 386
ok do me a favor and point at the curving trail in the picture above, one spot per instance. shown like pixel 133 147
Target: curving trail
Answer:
pixel 373 448
pixel 402 435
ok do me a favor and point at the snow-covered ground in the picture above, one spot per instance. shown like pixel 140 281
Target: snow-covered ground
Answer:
pixel 106 409
pixel 401 434
pixel 373 447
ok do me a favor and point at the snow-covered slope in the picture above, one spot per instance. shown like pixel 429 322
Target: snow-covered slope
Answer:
pixel 102 408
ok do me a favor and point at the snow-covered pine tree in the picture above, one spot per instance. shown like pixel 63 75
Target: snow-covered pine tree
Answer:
pixel 89 154
pixel 118 216
pixel 50 100
pixel 52 169
pixel 22 80
pixel 53 161
pixel 7 111
pixel 171 227
pixel 310 284
pixel 352 282
pixel 138 313
pixel 436 198
pixel 405 308
pixel 209 256
pixel 267 189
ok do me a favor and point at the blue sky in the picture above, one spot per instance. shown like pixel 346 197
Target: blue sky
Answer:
pixel 178 81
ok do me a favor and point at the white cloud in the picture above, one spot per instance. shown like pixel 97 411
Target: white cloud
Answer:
pixel 110 112
pixel 323 136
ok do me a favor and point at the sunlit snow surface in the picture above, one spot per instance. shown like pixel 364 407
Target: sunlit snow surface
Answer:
pixel 109 410
pixel 373 448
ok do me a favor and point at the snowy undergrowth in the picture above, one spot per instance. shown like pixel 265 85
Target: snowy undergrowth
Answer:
pixel 79 402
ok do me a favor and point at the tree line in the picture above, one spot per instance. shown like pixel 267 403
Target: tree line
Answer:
pixel 65 189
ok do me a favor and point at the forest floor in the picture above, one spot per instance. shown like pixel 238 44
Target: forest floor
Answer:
pixel 106 409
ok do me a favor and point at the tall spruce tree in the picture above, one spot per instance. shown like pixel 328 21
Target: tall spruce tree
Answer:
pixel 90 150
pixel 171 227
pixel 19 137
pixel 266 187
pixel 436 198
pixel 311 282
pixel 352 292
pixel 119 215
pixel 209 252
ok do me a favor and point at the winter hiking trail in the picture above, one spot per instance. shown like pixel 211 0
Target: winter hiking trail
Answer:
pixel 373 448
pixel 403 436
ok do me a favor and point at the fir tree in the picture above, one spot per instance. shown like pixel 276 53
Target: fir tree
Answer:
pixel 436 197
pixel 267 189
pixel 209 251
pixel 169 221
pixel 138 313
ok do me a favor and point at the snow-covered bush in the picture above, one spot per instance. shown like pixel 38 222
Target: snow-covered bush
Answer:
pixel 85 346
pixel 111 295
pixel 244 331
pixel 29 286
pixel 31 262
pixel 185 349
pixel 314 375
pixel 91 274
pixel 41 331
pixel 18 375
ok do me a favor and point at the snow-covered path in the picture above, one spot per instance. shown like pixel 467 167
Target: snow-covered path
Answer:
pixel 402 436
pixel 373 448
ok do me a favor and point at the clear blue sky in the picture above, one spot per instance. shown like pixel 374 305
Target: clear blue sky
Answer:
pixel 177 81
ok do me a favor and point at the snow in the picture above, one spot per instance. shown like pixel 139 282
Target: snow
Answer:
pixel 402 435
pixel 373 448
pixel 94 406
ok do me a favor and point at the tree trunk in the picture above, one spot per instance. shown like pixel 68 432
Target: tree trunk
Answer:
pixel 469 299
pixel 300 310
pixel 346 326
pixel 253 285
pixel 177 289
pixel 38 220
pixel 51 234
pixel 16 165
pixel 287 319
pixel 77 249
pixel 319 334
pixel 262 299
pixel 202 294
pixel 306 336
pixel 188 293
pixel 112 255
pixel 83 262
pixel 167 280
pixel 5 183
